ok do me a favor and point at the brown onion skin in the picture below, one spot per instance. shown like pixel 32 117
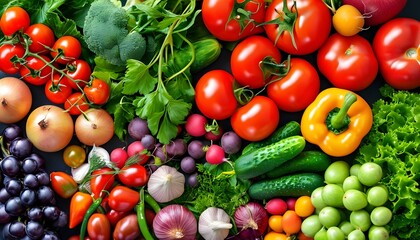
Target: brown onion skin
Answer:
pixel 94 127
pixel 15 100
pixel 378 11
pixel 175 217
pixel 251 215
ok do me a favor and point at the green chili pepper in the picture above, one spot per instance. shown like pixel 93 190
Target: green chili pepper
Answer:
pixel 92 209
pixel 141 217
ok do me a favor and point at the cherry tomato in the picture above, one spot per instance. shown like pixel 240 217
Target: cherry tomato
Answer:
pixel 127 228
pixel 295 91
pixel 115 216
pixel 97 91
pixel 79 70
pixel 123 199
pixel 63 184
pixel 76 104
pixel 395 45
pixel 311 30
pixel 79 204
pixel 14 19
pixel 304 206
pixel 98 227
pixel 133 176
pixel 291 222
pixel 42 38
pixel 41 72
pixel 248 58
pixel 215 95
pixel 7 52
pixel 256 120
pixel 70 46
pixel 74 156
pixel 348 62
pixel 226 19
pixel 102 180
pixel 57 90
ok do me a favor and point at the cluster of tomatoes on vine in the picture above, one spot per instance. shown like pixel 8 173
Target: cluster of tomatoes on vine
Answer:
pixel 41 59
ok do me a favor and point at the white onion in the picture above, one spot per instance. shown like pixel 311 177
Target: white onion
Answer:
pixel 175 222
pixel 94 127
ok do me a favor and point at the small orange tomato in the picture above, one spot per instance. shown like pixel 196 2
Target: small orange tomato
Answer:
pixel 304 207
pixel 291 222
pixel 302 236
pixel 274 222
pixel 275 236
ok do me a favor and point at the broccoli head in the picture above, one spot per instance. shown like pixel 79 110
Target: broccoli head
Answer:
pixel 106 34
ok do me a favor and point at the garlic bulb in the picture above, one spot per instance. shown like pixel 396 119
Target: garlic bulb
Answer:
pixel 214 224
pixel 166 184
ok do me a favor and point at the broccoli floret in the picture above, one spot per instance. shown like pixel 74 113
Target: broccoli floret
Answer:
pixel 106 34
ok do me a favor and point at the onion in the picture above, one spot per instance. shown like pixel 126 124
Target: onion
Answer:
pixel 166 184
pixel 49 128
pixel 214 224
pixel 175 222
pixel 95 127
pixel 15 100
pixel 377 11
pixel 251 215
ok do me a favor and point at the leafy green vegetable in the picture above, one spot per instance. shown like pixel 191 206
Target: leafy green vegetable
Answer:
pixel 394 143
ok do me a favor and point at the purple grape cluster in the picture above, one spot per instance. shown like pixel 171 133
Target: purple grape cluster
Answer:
pixel 28 207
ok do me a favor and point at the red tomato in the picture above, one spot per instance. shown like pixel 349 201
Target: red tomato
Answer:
pixel 79 70
pixel 115 216
pixel 63 184
pixel 248 58
pixel 123 199
pixel 395 45
pixel 214 95
pixel 348 62
pixel 14 19
pixel 133 176
pixel 127 228
pixel 7 52
pixel 41 71
pixel 57 90
pixel 311 30
pixel 70 47
pixel 97 91
pixel 76 104
pixel 226 19
pixel 256 120
pixel 299 88
pixel 42 38
pixel 102 180
pixel 98 227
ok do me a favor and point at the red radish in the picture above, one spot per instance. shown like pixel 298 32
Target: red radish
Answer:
pixel 119 156
pixel 291 202
pixel 377 11
pixel 137 148
pixel 276 206
pixel 196 125
pixel 215 154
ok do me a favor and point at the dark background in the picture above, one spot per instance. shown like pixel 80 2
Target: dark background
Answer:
pixel 55 161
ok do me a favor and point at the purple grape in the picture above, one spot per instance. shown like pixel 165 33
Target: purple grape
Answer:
pixel 13 187
pixel 20 147
pixel 11 132
pixel 38 159
pixel 138 128
pixel 14 206
pixel 4 195
pixel 43 178
pixel 6 233
pixel 148 141
pixel 188 165
pixel 4 216
pixel 34 229
pixel 17 229
pixel 29 165
pixel 45 195
pixel 231 142
pixel 51 213
pixel 35 214
pixel 28 197
pixel 176 148
pixel 62 220
pixel 196 149
pixel 192 180
pixel 10 166
pixel 30 181
pixel 49 235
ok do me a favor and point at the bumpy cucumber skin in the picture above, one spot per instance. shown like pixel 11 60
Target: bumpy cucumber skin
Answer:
pixel 260 161
pixel 206 52
pixel 291 128
pixel 295 185
pixel 306 161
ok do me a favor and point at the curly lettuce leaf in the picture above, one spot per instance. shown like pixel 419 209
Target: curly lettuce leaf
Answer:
pixel 394 143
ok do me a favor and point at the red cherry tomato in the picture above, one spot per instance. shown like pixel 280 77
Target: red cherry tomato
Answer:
pixel 79 71
pixel 115 216
pixel 76 104
pixel 70 47
pixel 102 181
pixel 226 20
pixel 215 95
pixel 127 228
pixel 98 227
pixel 133 176
pixel 97 91
pixel 63 184
pixel 256 120
pixel 57 90
pixel 7 53
pixel 295 91
pixel 123 199
pixel 14 19
pixel 41 71
pixel 42 38
pixel 248 58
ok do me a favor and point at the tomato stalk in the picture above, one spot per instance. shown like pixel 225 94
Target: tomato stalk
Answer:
pixel 241 15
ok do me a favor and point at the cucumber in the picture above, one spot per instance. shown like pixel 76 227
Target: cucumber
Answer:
pixel 291 128
pixel 306 161
pixel 295 185
pixel 260 161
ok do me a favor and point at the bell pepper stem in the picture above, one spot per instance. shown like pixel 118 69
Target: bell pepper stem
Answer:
pixel 338 120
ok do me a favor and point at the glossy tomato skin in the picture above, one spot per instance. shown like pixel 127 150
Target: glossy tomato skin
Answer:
pixel 348 62
pixel 311 30
pixel 42 37
pixel 97 91
pixel 123 199
pixel 127 228
pixel 395 45
pixel 79 71
pixel 257 119
pixel 246 61
pixel 133 176
pixel 63 184
pixel 70 46
pixel 299 88
pixel 74 156
pixel 57 90
pixel 76 104
pixel 14 19
pixel 216 16
pixel 7 52
pixel 37 64
pixel 101 181
pixel 98 227
pixel 215 95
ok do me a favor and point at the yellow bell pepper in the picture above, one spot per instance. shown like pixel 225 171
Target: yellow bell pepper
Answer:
pixel 337 121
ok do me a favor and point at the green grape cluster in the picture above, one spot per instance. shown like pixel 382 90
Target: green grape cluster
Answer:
pixel 352 205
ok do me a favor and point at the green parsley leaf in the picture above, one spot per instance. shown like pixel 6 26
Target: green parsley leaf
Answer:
pixel 137 78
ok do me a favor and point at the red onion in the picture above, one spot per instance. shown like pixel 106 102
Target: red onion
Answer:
pixel 251 215
pixel 377 11
pixel 175 222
